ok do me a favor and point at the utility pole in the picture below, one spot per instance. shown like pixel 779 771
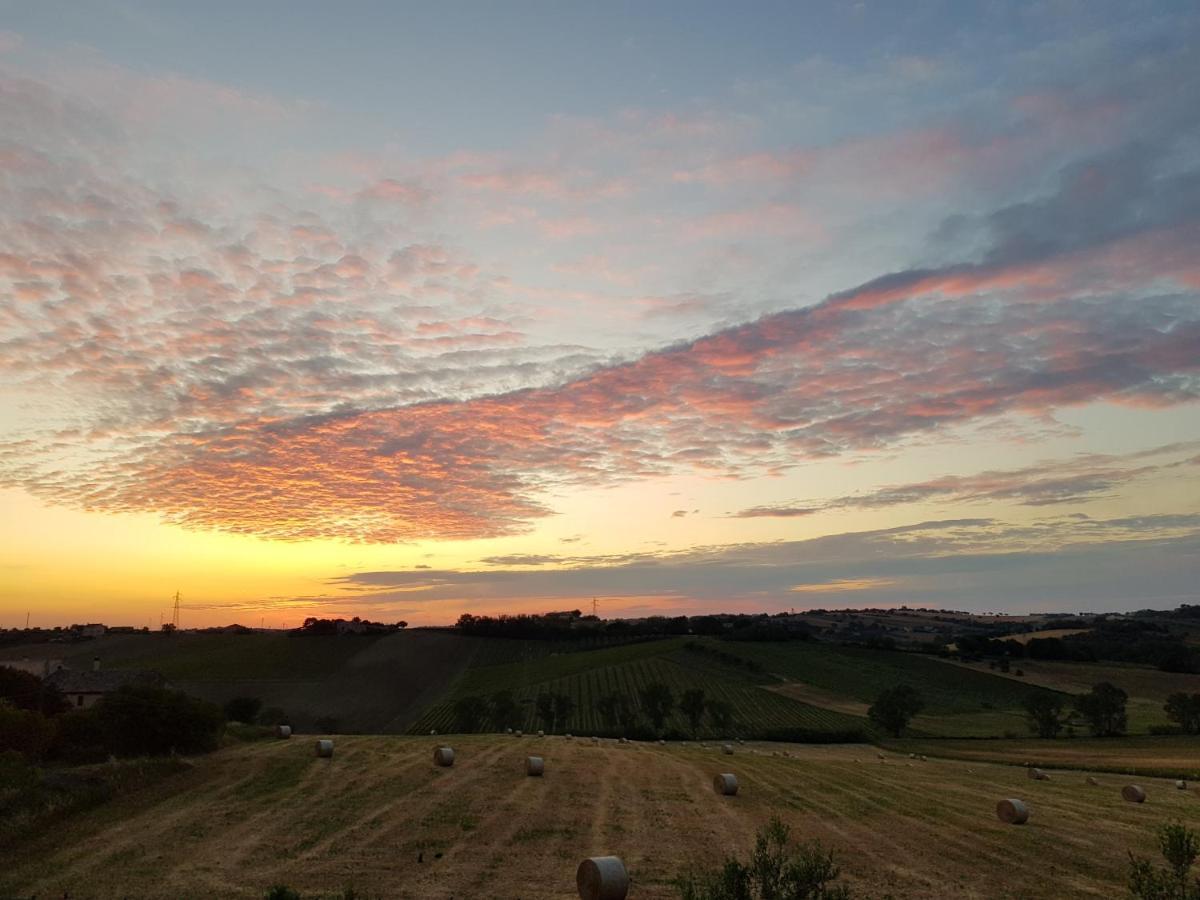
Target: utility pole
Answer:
pixel 175 617
pixel 595 607
pixel 26 621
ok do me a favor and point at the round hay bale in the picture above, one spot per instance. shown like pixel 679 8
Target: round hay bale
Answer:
pixel 727 749
pixel 661 742
pixel 568 735
pixel 444 756
pixel 1038 775
pixel 912 756
pixel 883 756
pixel 623 741
pixel 508 731
pixel 602 878
pixel 535 766
pixel 517 732
pixel 1133 793
pixel 325 749
pixel 1092 781
pixel 541 733
pixel 283 731
pixel 924 758
pixel 1181 785
pixel 433 731
pixel 1012 812
pixel 725 784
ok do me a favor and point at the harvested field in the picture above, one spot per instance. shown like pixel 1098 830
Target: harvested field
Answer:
pixel 380 817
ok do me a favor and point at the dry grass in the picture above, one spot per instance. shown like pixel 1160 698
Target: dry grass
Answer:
pixel 230 827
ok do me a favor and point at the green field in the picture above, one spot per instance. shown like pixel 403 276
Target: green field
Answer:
pixel 588 676
pixel 793 685
pixel 1147 687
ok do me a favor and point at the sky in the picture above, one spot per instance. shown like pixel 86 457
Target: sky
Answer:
pixel 405 311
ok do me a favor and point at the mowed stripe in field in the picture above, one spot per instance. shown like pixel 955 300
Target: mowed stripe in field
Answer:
pixel 252 816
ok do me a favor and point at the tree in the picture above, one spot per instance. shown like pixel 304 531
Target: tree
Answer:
pixel 692 706
pixel 545 710
pixel 1104 709
pixel 1179 846
pixel 1045 713
pixel 470 713
pixel 607 706
pixel 895 707
pixel 563 707
pixel 617 711
pixel 26 691
pixel 150 721
pixel 1184 709
pixel 243 709
pixel 657 702
pixel 720 713
pixel 504 710
pixel 777 870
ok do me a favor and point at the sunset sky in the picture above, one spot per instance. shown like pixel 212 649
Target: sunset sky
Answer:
pixel 404 311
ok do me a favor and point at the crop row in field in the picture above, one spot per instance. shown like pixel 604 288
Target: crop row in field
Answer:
pixel 756 712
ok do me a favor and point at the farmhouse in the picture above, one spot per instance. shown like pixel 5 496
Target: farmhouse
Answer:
pixel 84 689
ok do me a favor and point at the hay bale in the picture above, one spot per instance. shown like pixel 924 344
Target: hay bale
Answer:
pixel 508 731
pixel 602 878
pixel 1036 774
pixel 534 766
pixel 924 758
pixel 725 784
pixel 1181 785
pixel 541 733
pixel 1092 781
pixel 661 742
pixel 517 732
pixel 568 735
pixel 283 731
pixel 444 756
pixel 433 731
pixel 727 749
pixel 1012 812
pixel 883 756
pixel 1133 793
pixel 325 749
pixel 623 741
pixel 912 756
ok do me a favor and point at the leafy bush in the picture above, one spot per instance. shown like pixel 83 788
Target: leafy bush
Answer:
pixel 25 731
pixel 26 691
pixel 144 721
pixel 243 709
pixel 777 870
pixel 1179 846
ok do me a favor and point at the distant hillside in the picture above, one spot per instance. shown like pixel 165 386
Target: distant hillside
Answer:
pixel 411 681
pixel 774 687
pixel 360 683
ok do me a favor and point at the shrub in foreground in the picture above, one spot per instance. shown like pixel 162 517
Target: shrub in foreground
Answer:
pixel 1179 846
pixel 778 870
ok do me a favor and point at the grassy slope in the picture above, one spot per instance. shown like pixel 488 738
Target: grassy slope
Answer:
pixel 589 675
pixel 958 703
pixel 1147 687
pixel 256 815
pixel 367 683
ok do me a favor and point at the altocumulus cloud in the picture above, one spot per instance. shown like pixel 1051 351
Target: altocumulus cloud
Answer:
pixel 280 372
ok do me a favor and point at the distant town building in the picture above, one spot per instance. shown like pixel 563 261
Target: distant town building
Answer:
pixel 85 688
